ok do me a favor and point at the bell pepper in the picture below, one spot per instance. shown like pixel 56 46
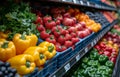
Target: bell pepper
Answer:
pixel 103 70
pixel 38 54
pixel 50 50
pixel 33 38
pixel 22 42
pixel 3 35
pixel 83 65
pixel 94 63
pixel 94 55
pixel 7 49
pixel 109 64
pixel 103 59
pixel 85 60
pixel 91 71
pixel 24 63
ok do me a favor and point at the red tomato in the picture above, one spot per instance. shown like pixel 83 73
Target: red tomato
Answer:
pixel 75 40
pixel 40 28
pixel 47 18
pixel 39 20
pixel 45 34
pixel 50 24
pixel 51 39
pixel 61 39
pixel 68 37
pixel 68 43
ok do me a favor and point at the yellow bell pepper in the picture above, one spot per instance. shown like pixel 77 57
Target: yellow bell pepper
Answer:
pixel 24 63
pixel 50 50
pixel 3 35
pixel 22 42
pixel 7 49
pixel 38 54
pixel 34 39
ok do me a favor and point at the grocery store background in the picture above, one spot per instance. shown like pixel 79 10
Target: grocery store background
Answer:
pixel 59 38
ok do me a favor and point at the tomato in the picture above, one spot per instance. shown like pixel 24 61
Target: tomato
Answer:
pixel 51 39
pixel 61 39
pixel 50 24
pixel 68 37
pixel 47 18
pixel 39 20
pixel 40 28
pixel 75 40
pixel 68 43
pixel 45 34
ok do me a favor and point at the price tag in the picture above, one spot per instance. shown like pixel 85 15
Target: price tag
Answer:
pixel 67 67
pixel 81 2
pixel 77 57
pixel 88 3
pixel 95 41
pixel 74 1
pixel 101 35
pixel 92 44
pixel 86 49
pixel 54 76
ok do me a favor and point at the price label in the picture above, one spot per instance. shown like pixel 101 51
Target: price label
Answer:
pixel 92 44
pixel 77 57
pixel 74 1
pixel 54 76
pixel 67 67
pixel 86 49
pixel 81 2
pixel 101 35
pixel 69 0
pixel 95 41
pixel 88 3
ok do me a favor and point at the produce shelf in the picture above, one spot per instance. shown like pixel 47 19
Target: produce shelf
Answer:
pixel 81 3
pixel 116 71
pixel 80 53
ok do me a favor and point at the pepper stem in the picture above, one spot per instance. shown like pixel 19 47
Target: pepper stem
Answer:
pixel 5 44
pixel 41 56
pixel 23 36
pixel 27 64
pixel 50 48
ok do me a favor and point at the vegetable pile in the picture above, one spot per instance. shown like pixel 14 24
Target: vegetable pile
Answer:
pixel 17 18
pixel 94 65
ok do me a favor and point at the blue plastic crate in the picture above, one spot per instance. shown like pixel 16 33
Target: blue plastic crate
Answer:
pixel 64 56
pixel 47 70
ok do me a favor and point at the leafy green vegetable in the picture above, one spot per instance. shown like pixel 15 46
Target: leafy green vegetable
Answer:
pixel 17 19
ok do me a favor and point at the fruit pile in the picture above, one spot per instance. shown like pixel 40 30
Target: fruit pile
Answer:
pixel 98 17
pixel 94 65
pixel 64 27
pixel 100 61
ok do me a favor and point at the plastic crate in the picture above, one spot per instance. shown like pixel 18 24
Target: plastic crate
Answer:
pixel 64 56
pixel 47 70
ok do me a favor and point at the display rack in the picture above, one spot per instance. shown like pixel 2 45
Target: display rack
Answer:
pixel 116 72
pixel 82 3
pixel 66 66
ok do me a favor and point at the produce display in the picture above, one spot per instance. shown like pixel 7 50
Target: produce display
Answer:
pixel 100 61
pixel 60 28
pixel 94 65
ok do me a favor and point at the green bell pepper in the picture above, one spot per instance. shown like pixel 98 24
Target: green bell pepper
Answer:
pixel 94 55
pixel 85 60
pixel 102 59
pixel 83 65
pixel 109 64
pixel 94 63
